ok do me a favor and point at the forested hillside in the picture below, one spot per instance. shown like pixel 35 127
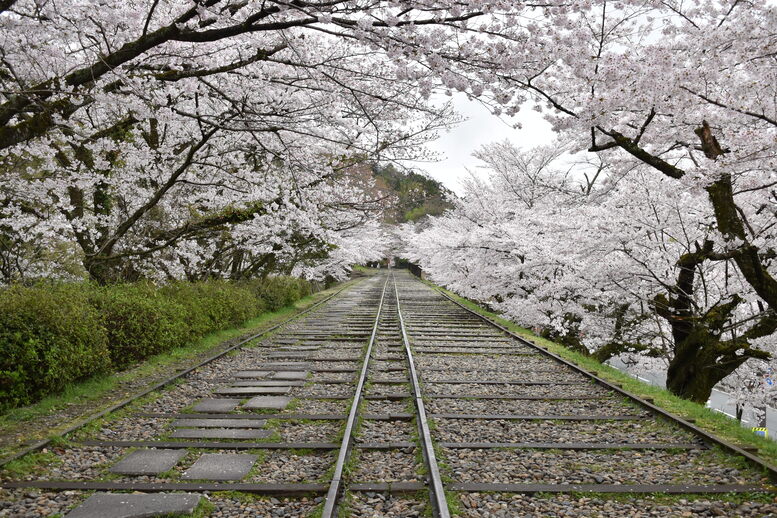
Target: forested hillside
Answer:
pixel 415 195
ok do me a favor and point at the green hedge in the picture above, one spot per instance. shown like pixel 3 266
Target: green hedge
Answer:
pixel 278 292
pixel 52 335
pixel 48 337
pixel 215 304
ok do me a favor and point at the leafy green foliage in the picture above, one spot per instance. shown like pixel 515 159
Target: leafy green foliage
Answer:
pixel 277 292
pixel 49 336
pixel 140 321
pixel 417 195
pixel 214 304
pixel 52 335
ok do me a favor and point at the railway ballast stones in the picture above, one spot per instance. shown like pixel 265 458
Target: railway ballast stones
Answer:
pixel 389 400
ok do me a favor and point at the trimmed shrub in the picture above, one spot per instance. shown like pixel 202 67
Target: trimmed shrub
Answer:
pixel 49 336
pixel 227 304
pixel 281 291
pixel 214 304
pixel 52 335
pixel 140 321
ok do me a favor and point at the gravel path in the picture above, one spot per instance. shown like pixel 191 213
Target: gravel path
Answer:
pixel 594 467
pixel 378 505
pixel 488 505
pixel 481 430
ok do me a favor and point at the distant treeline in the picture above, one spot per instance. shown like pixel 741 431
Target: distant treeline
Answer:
pixel 418 195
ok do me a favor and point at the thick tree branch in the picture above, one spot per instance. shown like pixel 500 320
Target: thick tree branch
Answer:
pixel 261 55
pixel 107 247
pixel 760 116
pixel 635 150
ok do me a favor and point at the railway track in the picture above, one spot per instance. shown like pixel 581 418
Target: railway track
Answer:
pixel 389 400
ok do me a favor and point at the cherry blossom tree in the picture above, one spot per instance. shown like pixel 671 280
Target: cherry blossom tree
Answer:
pixel 683 92
pixel 589 263
pixel 218 137
pixel 153 126
pixel 686 90
pixel 753 387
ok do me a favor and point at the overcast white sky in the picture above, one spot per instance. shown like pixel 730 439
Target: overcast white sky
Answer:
pixel 478 128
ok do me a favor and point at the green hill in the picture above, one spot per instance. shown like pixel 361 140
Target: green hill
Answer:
pixel 416 195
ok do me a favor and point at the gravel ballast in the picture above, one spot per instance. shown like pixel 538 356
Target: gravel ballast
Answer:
pixel 279 467
pixel 270 507
pixel 594 467
pixel 611 432
pixel 386 466
pixel 495 505
pixel 528 407
pixel 323 390
pixel 502 377
pixel 493 363
pixel 385 431
pixel 473 389
pixel 379 505
pixel 316 431
pixel 27 503
pixel 383 406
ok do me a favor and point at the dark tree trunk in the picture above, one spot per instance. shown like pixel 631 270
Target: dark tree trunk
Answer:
pixel 105 271
pixel 696 367
pixel 701 358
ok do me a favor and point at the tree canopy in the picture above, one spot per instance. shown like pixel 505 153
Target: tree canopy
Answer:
pixel 225 138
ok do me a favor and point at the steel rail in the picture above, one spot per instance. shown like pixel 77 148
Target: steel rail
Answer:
pixel 732 448
pixel 439 504
pixel 118 406
pixel 336 484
